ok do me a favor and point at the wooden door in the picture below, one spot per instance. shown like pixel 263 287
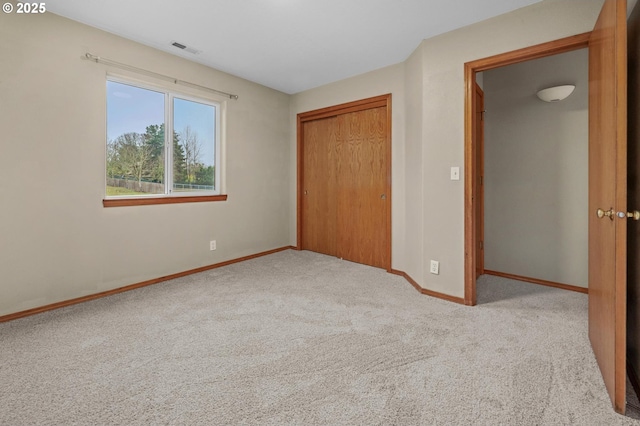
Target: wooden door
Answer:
pixel 344 181
pixel 608 192
pixel 362 163
pixel 318 200
pixel 478 145
pixel 633 200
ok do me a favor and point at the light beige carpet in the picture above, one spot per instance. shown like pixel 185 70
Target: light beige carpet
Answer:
pixel 298 338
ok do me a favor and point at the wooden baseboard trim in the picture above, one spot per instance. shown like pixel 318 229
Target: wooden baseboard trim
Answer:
pixel 424 291
pixel 58 305
pixel 537 281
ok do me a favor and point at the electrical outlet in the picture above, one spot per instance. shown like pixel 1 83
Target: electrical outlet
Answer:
pixel 435 267
pixel 212 245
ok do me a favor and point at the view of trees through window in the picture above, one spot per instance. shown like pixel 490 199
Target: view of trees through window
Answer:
pixel 137 160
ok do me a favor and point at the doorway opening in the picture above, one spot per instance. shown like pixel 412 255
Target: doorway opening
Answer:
pixel 533 176
pixel 474 249
pixel 607 210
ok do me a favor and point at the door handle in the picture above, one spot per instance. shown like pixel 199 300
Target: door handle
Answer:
pixel 383 197
pixel 602 213
pixel 635 215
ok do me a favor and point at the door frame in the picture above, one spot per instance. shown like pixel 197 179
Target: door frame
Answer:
pixel 579 41
pixel 332 111
pixel 478 134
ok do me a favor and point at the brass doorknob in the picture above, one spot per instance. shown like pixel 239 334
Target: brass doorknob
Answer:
pixel 635 215
pixel 608 213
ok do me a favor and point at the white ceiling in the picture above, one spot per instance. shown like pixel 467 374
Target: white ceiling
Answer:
pixel 288 45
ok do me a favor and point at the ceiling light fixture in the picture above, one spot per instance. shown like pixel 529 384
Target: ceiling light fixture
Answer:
pixel 557 93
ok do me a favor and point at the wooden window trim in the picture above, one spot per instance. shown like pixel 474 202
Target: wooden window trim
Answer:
pixel 126 202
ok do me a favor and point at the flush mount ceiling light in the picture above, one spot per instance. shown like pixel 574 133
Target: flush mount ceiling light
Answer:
pixel 557 93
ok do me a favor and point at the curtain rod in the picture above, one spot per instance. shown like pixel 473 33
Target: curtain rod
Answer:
pixel 99 60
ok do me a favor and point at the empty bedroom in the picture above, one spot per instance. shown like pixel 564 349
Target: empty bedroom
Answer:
pixel 262 212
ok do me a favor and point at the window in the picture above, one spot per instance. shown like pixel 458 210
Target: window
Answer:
pixel 160 143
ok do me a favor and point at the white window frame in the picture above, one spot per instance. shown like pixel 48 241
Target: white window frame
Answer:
pixel 169 96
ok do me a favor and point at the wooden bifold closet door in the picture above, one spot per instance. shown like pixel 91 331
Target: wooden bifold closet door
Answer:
pixel 319 203
pixel 345 185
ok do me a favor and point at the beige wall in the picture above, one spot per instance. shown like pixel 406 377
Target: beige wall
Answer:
pixel 57 242
pixel 443 119
pixel 428 222
pixel 413 172
pixel 536 170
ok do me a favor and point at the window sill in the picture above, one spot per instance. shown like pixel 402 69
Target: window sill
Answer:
pixel 125 202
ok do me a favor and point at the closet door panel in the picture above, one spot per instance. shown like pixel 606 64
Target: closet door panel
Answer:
pixel 361 173
pixel 319 187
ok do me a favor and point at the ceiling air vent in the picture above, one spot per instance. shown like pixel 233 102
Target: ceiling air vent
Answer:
pixel 185 48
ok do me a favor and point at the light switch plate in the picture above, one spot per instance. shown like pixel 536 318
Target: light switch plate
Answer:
pixel 455 173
